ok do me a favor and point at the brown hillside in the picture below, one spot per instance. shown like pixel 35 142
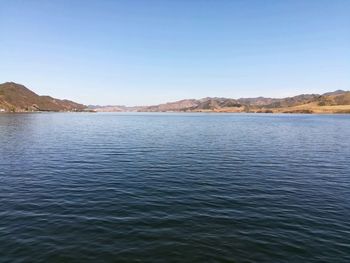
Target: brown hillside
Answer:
pixel 332 102
pixel 17 98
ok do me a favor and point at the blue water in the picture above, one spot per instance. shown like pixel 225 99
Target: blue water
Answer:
pixel 81 187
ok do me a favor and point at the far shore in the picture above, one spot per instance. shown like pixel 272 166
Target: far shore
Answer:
pixel 189 112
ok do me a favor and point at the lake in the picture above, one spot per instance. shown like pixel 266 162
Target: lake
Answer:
pixel 174 187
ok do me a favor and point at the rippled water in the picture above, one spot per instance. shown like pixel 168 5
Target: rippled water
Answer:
pixel 78 187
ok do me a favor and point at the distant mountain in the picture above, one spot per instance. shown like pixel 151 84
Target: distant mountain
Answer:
pixel 257 101
pixel 107 108
pixel 337 92
pixel 180 105
pixel 114 108
pixel 331 102
pixel 17 98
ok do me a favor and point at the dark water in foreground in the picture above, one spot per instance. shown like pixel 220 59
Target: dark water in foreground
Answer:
pixel 174 188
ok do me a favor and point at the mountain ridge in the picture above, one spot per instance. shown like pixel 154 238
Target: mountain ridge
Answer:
pixel 18 98
pixel 331 102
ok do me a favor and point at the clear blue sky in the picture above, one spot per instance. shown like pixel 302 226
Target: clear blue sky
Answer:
pixel 145 52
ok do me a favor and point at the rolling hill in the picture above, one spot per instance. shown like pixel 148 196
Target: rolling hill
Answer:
pixel 17 98
pixel 331 102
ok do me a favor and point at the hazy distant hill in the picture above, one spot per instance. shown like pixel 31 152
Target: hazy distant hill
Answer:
pixel 331 102
pixel 114 108
pixel 17 98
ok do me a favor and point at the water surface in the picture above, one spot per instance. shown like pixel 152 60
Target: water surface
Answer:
pixel 79 187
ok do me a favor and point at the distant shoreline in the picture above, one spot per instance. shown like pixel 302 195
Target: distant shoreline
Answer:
pixel 181 112
pixel 17 98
